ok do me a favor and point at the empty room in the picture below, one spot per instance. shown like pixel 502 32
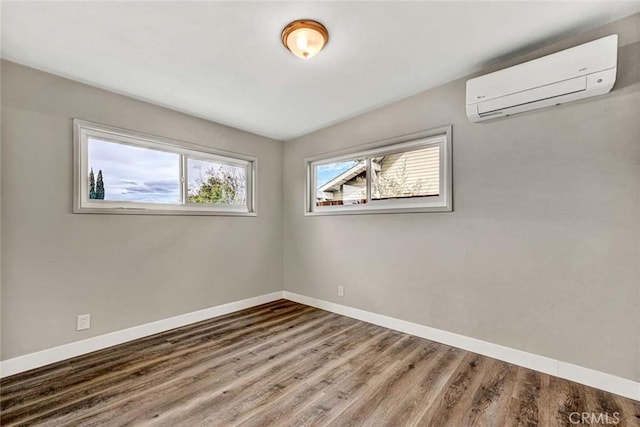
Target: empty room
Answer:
pixel 368 213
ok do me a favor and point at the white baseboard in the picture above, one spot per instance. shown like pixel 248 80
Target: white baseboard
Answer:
pixel 611 383
pixel 45 357
pixel 579 374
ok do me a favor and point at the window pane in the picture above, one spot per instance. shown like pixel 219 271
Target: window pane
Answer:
pixel 120 172
pixel 407 174
pixel 216 183
pixel 341 183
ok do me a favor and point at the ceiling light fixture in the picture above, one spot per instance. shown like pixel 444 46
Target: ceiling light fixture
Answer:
pixel 305 38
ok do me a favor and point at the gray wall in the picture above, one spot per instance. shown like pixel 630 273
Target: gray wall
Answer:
pixel 125 270
pixel 542 251
pixel 0 191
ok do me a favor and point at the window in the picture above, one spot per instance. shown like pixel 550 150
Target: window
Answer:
pixel 119 171
pixel 411 174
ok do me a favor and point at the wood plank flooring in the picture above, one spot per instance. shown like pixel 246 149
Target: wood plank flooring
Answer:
pixel 286 364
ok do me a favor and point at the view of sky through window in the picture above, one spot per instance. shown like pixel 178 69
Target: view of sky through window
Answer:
pixel 135 174
pixel 325 173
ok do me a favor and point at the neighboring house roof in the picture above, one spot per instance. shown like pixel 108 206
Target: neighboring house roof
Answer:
pixel 335 183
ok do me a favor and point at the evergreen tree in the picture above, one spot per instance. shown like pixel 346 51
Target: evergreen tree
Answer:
pixel 92 185
pixel 100 187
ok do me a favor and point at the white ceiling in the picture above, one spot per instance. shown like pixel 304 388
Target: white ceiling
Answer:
pixel 224 61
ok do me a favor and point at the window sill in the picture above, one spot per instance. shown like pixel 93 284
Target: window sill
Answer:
pixel 174 212
pixel 369 211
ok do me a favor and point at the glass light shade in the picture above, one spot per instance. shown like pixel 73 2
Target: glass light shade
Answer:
pixel 305 38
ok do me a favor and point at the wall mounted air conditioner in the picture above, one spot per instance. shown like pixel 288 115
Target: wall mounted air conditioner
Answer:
pixel 579 72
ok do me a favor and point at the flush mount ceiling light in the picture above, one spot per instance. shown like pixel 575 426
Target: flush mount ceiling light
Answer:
pixel 305 38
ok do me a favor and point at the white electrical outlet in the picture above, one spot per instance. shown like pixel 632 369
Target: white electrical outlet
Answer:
pixel 83 322
pixel 340 290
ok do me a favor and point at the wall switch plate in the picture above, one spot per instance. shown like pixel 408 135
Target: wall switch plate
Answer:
pixel 340 290
pixel 83 322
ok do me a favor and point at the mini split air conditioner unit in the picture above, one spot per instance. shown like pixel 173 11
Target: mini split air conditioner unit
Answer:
pixel 579 72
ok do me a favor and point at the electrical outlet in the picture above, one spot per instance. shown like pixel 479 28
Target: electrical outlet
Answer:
pixel 340 290
pixel 83 322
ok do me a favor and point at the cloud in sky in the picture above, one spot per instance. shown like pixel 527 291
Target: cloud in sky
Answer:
pixel 152 187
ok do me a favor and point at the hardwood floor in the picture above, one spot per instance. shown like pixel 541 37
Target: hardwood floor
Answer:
pixel 287 364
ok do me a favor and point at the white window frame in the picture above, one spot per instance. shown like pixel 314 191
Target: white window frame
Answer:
pixel 434 137
pixel 83 130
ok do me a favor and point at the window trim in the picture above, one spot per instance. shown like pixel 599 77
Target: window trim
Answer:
pixel 387 146
pixel 82 130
